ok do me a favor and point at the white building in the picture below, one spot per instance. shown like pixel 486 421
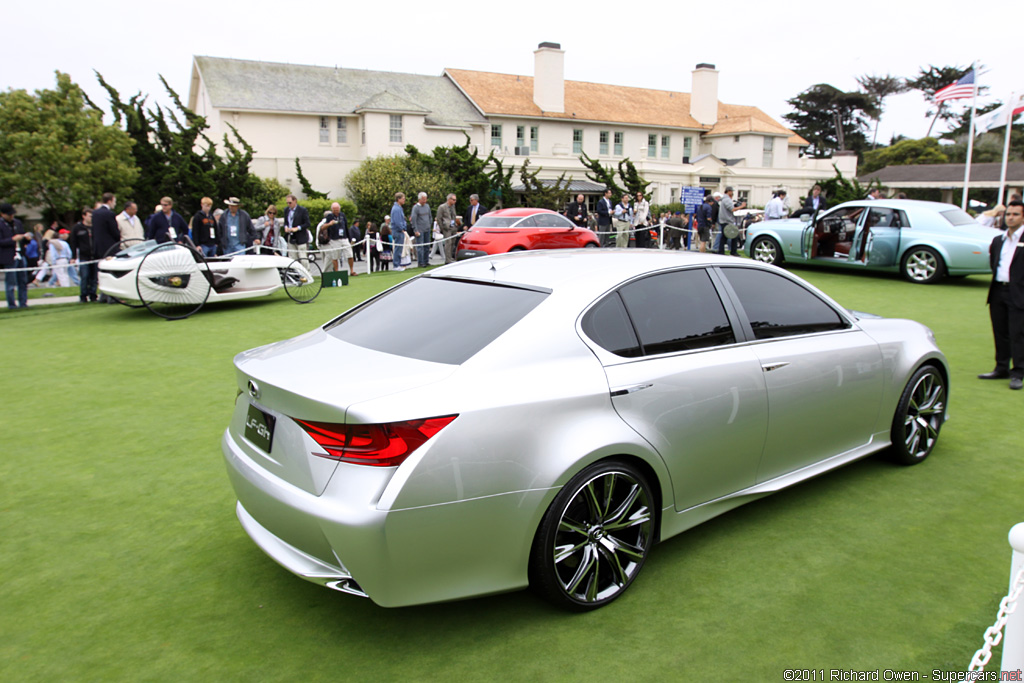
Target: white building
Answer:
pixel 333 118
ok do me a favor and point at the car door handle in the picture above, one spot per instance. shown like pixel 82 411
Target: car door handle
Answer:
pixel 768 367
pixel 622 391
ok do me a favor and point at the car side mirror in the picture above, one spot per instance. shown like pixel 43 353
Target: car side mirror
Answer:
pixel 806 218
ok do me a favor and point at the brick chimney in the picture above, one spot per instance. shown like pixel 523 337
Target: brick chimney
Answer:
pixel 549 77
pixel 704 94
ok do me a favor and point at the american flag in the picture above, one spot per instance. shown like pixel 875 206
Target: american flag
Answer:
pixel 959 90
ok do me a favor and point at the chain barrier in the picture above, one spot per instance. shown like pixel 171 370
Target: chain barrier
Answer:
pixel 994 634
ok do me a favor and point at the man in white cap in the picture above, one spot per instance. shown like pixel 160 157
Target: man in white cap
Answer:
pixel 236 229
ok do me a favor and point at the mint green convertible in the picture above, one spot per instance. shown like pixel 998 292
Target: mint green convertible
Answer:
pixel 922 240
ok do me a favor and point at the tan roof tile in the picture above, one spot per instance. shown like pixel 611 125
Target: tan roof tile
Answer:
pixel 512 95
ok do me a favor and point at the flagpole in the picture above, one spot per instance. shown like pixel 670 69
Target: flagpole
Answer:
pixel 1006 145
pixel 970 139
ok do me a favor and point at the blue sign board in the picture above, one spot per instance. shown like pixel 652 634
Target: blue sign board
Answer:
pixel 691 197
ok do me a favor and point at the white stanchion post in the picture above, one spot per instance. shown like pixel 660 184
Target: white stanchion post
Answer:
pixel 1013 636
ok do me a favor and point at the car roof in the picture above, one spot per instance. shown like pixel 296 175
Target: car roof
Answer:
pixel 592 270
pixel 518 211
pixel 913 204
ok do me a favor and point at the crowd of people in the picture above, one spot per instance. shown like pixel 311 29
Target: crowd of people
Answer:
pixel 402 239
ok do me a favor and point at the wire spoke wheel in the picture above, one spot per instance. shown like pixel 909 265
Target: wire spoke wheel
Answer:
pixel 113 251
pixel 173 281
pixel 595 537
pixel 302 280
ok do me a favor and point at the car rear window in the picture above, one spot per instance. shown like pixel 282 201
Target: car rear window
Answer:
pixel 436 319
pixel 497 221
pixel 957 217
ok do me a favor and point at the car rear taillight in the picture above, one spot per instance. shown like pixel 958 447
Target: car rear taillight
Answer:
pixel 379 445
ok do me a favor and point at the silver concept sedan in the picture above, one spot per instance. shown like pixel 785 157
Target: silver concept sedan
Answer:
pixel 544 418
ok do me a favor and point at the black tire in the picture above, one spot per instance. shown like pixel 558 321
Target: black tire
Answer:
pixel 766 250
pixel 173 281
pixel 302 280
pixel 591 245
pixel 919 417
pixel 922 265
pixel 595 537
pixel 516 249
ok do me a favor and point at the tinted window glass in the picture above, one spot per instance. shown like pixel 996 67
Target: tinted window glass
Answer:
pixel 677 311
pixel 957 217
pixel 778 307
pixel 486 221
pixel 608 325
pixel 885 218
pixel 552 220
pixel 432 319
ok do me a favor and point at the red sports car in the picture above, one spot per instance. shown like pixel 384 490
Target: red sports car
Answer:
pixel 520 229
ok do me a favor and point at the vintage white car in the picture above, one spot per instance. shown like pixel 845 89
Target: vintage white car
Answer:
pixel 174 280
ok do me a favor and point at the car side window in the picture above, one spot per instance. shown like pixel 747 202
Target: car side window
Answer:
pixel 608 325
pixel 677 311
pixel 885 218
pixel 778 307
pixel 552 220
pixel 528 222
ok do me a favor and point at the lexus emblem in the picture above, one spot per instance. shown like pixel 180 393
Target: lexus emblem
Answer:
pixel 254 389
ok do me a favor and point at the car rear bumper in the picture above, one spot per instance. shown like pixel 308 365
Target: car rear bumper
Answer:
pixel 464 254
pixel 340 539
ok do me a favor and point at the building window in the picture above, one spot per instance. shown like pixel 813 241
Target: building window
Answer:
pixel 769 147
pixel 495 135
pixel 362 131
pixel 618 144
pixel 735 138
pixel 520 136
pixel 665 140
pixel 687 147
pixel 652 146
pixel 325 132
pixel 742 196
pixel 602 139
pixel 534 138
pixel 577 141
pixel 396 128
pixel 342 130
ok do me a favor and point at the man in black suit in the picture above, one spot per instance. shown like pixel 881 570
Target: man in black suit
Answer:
pixel 1006 298
pixel 473 213
pixel 296 225
pixel 577 211
pixel 105 232
pixel 815 202
pixel 604 219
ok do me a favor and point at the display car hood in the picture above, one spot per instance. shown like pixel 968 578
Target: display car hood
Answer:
pixel 325 376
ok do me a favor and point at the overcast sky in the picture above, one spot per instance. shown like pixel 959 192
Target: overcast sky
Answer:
pixel 765 52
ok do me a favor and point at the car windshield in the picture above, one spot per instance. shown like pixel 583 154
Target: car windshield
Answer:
pixel 957 217
pixel 436 319
pixel 497 221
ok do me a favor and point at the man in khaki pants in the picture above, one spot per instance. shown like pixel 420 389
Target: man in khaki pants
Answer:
pixel 622 221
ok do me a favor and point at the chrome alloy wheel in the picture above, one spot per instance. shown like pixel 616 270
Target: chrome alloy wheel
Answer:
pixel 921 265
pixel 766 250
pixel 924 415
pixel 602 537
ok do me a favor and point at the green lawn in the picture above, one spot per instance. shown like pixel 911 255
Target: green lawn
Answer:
pixel 121 558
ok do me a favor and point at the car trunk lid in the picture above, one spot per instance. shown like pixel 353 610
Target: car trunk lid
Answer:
pixel 314 377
